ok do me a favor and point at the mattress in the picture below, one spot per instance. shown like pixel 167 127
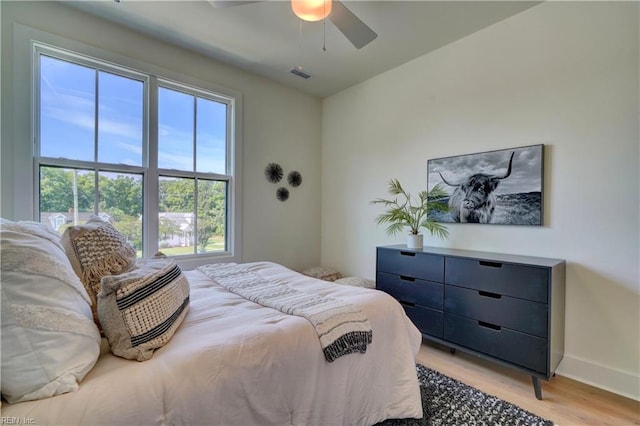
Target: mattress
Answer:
pixel 234 362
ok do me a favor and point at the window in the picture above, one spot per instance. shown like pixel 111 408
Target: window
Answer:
pixel 191 166
pixel 150 155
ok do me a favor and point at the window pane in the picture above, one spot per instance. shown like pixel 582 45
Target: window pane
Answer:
pixel 176 216
pixel 121 204
pixel 120 103
pixel 212 216
pixel 66 197
pixel 175 130
pixel 67 110
pixel 211 144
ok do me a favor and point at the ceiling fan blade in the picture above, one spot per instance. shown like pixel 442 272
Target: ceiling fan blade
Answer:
pixel 227 3
pixel 358 33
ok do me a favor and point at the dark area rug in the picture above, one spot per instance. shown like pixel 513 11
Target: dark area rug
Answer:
pixel 447 401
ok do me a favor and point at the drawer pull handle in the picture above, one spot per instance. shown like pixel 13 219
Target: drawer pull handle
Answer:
pixel 488 294
pixel 411 305
pixel 407 253
pixel 405 278
pixel 490 264
pixel 489 325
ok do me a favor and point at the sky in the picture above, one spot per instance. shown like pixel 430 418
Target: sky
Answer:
pixel 526 169
pixel 67 120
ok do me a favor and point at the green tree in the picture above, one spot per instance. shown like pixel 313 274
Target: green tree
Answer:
pixel 131 227
pixel 167 229
pixel 86 190
pixel 211 211
pixel 123 193
pixel 176 195
pixel 56 189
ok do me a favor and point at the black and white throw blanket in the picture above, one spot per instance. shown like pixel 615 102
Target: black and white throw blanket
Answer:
pixel 342 328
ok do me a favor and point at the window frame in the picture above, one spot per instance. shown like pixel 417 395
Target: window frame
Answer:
pixel 28 44
pixel 195 174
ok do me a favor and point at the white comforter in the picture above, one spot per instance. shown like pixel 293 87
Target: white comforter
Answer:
pixel 233 362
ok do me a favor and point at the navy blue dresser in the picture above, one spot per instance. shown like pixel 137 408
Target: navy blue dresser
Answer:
pixel 505 308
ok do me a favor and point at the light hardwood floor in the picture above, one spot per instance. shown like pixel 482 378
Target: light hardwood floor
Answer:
pixel 565 401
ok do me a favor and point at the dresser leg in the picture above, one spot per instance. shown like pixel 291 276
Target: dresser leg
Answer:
pixel 452 350
pixel 536 387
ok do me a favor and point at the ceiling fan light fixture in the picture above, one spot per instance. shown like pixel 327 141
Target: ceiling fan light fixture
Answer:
pixel 311 10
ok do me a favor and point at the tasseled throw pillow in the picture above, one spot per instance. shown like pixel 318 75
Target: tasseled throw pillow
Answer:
pixel 97 249
pixel 140 310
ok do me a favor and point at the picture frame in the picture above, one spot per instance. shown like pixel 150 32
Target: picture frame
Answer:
pixel 501 187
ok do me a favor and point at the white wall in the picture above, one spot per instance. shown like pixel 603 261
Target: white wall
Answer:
pixel 564 74
pixel 279 125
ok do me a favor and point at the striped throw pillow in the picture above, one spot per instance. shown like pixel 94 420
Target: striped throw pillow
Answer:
pixel 140 310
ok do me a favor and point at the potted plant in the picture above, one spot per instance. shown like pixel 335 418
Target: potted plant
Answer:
pixel 403 211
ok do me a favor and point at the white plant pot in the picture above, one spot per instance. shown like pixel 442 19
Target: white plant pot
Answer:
pixel 414 241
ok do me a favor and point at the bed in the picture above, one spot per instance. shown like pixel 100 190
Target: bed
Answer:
pixel 235 362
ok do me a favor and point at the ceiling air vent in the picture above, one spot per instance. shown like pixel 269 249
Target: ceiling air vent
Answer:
pixel 298 71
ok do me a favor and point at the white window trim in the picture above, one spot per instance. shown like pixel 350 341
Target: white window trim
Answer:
pixel 24 114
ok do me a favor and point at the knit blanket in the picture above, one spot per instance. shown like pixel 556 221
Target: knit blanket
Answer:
pixel 342 328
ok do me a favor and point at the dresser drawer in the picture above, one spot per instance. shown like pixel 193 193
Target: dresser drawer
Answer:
pixel 517 314
pixel 508 345
pixel 428 321
pixel 411 264
pixel 525 282
pixel 419 292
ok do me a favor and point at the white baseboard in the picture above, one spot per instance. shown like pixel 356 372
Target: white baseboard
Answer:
pixel 613 380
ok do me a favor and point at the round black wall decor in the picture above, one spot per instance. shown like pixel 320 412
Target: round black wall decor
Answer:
pixel 273 172
pixel 294 178
pixel 282 193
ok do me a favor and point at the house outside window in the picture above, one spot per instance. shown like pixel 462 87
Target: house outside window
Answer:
pixel 153 156
pixel 56 220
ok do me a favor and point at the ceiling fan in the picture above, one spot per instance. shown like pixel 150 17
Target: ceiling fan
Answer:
pixel 356 31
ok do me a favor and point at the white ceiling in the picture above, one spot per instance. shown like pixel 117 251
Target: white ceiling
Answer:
pixel 267 39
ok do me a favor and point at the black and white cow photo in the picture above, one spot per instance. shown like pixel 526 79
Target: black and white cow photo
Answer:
pixel 498 187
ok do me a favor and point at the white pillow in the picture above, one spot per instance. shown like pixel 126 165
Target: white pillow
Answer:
pixel 49 340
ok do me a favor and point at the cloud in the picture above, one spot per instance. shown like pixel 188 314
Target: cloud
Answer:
pixel 135 149
pixel 525 175
pixel 176 161
pixel 79 112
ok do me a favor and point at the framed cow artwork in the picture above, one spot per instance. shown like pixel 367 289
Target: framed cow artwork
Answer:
pixel 503 187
